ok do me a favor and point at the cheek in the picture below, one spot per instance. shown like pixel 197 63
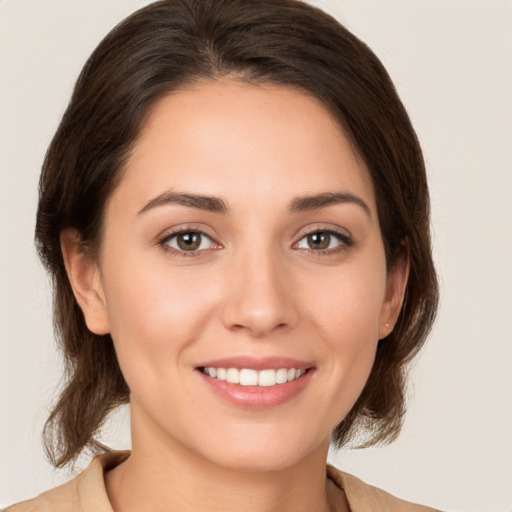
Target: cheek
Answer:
pixel 154 313
pixel 347 320
pixel 350 303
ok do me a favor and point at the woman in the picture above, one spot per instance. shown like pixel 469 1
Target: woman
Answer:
pixel 234 212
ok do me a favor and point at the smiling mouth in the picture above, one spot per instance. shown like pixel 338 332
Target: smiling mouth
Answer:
pixel 250 377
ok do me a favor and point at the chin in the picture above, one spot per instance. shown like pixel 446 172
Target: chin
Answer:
pixel 263 461
pixel 264 453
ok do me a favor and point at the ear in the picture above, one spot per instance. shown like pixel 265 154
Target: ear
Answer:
pixel 84 277
pixel 395 292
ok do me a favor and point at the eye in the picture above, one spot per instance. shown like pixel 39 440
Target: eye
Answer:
pixel 323 240
pixel 188 241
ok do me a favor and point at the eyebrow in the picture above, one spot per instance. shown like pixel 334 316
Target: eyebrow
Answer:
pixel 217 205
pixel 208 203
pixel 307 203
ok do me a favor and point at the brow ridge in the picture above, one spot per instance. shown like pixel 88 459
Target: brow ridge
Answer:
pixel 201 202
pixel 317 201
pixel 217 205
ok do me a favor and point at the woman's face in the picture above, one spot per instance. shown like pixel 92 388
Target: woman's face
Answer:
pixel 242 276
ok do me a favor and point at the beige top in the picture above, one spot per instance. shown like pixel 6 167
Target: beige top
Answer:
pixel 87 493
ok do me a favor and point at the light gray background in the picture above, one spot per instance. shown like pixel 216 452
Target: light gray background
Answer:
pixel 451 62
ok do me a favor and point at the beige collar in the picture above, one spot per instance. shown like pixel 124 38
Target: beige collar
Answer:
pixel 87 492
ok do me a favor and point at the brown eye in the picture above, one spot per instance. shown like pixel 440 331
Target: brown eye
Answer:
pixel 189 241
pixel 319 240
pixel 325 240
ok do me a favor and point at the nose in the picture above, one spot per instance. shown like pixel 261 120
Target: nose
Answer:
pixel 259 295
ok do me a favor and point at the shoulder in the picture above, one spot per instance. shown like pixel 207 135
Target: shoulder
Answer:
pixel 366 498
pixel 85 493
pixel 61 498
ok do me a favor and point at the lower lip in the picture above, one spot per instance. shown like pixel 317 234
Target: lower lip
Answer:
pixel 257 397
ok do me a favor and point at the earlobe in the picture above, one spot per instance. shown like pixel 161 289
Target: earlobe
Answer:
pixel 395 292
pixel 84 277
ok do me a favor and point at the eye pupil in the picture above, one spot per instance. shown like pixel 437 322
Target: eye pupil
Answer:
pixel 189 241
pixel 319 240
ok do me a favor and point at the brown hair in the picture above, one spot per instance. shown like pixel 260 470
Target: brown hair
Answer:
pixel 173 43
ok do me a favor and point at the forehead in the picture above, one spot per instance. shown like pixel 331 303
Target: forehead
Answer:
pixel 226 137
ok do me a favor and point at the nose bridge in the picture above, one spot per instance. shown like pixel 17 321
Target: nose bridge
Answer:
pixel 259 295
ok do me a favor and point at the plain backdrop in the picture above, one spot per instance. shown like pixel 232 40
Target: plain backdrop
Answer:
pixel 451 61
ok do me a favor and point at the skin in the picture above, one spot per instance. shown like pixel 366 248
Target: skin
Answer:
pixel 255 287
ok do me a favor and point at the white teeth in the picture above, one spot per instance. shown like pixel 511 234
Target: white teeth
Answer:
pixel 233 376
pixel 249 377
pixel 267 378
pixel 281 376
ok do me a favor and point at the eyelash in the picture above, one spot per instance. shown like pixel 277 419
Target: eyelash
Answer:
pixel 164 241
pixel 345 242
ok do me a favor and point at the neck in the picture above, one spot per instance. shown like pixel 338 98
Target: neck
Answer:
pixel 164 476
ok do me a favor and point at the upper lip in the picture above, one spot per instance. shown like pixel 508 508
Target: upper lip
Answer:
pixel 256 363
